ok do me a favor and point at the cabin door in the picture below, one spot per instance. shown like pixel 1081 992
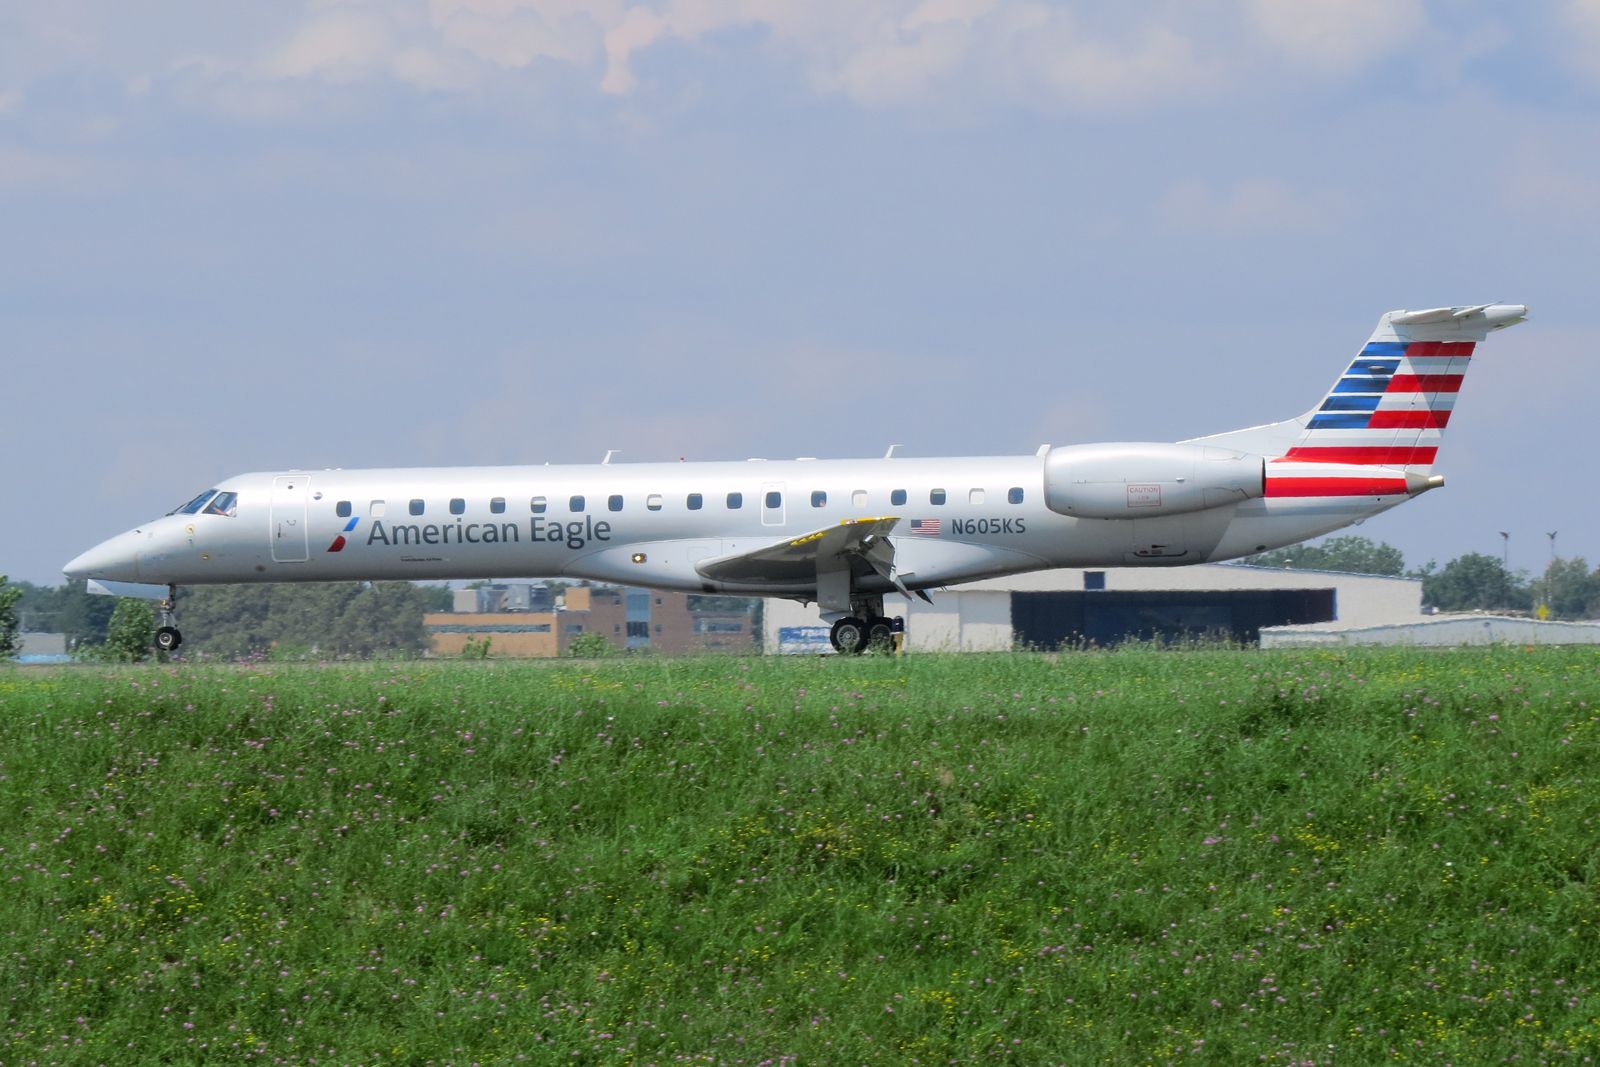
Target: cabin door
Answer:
pixel 287 527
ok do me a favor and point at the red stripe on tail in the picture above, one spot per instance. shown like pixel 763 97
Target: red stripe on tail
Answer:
pixel 1425 383
pixel 1408 420
pixel 1373 456
pixel 1439 348
pixel 1336 486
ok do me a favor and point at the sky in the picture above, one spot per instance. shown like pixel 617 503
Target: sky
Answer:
pixel 343 233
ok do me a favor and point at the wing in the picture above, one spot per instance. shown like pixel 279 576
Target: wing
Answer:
pixel 813 557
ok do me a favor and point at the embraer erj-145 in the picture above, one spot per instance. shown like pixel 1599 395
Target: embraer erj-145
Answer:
pixel 842 533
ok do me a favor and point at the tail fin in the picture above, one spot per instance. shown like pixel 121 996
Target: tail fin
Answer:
pixel 1391 406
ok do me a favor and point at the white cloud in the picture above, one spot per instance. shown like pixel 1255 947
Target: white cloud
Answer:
pixel 1583 18
pixel 881 53
pixel 1051 55
pixel 339 45
pixel 1254 206
pixel 1336 35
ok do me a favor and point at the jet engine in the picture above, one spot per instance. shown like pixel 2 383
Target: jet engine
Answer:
pixel 1138 480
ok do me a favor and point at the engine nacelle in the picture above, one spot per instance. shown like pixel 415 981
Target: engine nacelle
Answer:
pixel 1131 481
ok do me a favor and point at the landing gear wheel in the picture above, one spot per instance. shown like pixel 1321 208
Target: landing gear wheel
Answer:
pixel 849 636
pixel 168 639
pixel 880 636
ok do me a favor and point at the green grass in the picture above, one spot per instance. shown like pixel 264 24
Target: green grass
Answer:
pixel 1128 857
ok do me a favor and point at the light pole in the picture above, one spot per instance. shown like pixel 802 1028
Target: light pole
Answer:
pixel 1549 576
pixel 1505 549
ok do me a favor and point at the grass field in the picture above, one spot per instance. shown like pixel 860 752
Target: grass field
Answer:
pixel 1127 857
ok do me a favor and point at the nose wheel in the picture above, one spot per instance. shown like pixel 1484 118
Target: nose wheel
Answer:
pixel 167 636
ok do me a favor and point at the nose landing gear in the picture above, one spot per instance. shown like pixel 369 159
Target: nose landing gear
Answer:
pixel 167 636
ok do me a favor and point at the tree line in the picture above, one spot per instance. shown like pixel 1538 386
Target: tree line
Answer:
pixel 1568 588
pixel 342 619
pixel 336 619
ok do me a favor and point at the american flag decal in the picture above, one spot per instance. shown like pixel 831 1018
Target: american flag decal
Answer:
pixel 925 527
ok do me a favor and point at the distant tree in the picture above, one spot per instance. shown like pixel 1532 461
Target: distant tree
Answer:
pixel 436 597
pixel 1474 582
pixel 9 595
pixel 331 619
pixel 67 609
pixel 1350 554
pixel 592 646
pixel 1571 589
pixel 131 635
pixel 385 617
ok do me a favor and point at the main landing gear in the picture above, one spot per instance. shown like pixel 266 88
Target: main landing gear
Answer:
pixel 865 629
pixel 167 636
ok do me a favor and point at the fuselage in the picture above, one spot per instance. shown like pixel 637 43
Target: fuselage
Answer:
pixel 653 524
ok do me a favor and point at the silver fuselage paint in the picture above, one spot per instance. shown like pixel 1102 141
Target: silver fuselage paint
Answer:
pixel 286 527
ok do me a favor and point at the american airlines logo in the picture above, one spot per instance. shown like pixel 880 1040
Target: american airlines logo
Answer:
pixel 339 542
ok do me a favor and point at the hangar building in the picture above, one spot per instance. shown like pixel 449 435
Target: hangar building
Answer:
pixel 1049 609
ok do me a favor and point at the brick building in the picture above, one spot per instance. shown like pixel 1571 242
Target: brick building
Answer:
pixel 628 618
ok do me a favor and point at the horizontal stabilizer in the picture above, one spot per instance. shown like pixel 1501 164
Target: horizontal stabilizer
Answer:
pixel 138 590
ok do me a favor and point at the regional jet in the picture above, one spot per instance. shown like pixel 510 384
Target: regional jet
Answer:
pixel 841 533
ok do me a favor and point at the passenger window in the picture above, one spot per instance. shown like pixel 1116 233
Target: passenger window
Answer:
pixel 696 501
pixel 653 501
pixel 858 498
pixel 497 506
pixel 458 506
pixel 575 504
pixel 936 496
pixel 342 509
pixel 975 496
pixel 1014 495
pixel 735 501
pixel 614 502
pixel 378 509
pixel 222 504
pixel 774 500
pixel 819 499
pixel 537 505
pixel 898 498
pixel 416 507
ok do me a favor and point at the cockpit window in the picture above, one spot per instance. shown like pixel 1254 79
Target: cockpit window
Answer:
pixel 223 504
pixel 193 507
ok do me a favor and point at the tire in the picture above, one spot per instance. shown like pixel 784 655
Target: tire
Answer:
pixel 849 636
pixel 168 639
pixel 880 636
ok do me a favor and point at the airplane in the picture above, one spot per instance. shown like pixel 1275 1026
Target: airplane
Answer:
pixel 841 533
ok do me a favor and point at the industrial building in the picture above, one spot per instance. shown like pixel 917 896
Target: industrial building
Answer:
pixel 1439 631
pixel 1068 607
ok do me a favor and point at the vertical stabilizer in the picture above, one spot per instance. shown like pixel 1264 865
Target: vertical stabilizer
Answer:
pixel 1391 406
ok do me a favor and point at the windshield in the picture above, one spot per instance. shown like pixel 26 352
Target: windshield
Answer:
pixel 223 504
pixel 194 505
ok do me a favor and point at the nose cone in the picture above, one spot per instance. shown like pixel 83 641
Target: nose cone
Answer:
pixel 115 560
